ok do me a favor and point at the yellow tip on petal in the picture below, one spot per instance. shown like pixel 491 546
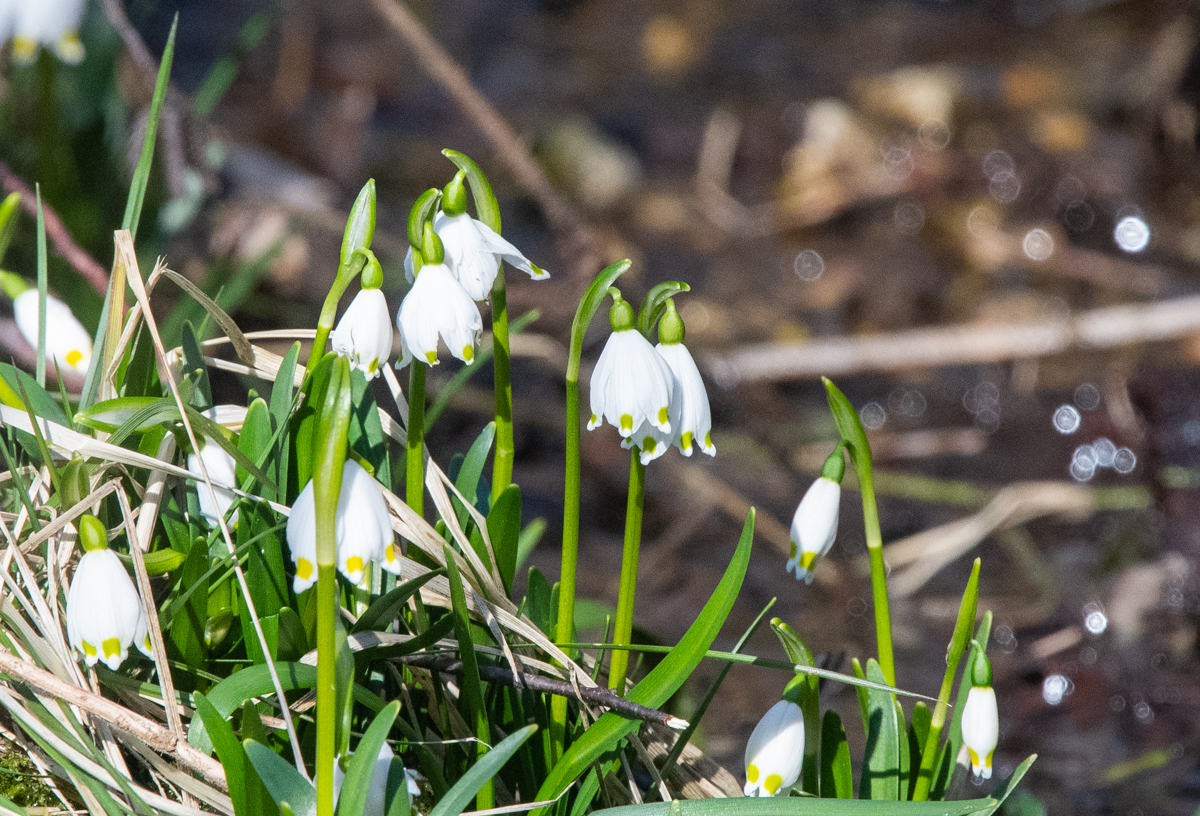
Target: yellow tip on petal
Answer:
pixel 24 49
pixel 304 569
pixel 975 763
pixel 772 783
pixel 89 649
pixel 431 356
pixel 752 773
pixel 74 356
pixel 626 422
pixel 648 444
pixel 70 49
pixel 373 366
pixel 793 555
pixel 390 553
pixel 468 353
pixel 111 646
pixel 708 439
pixel 685 440
pixel 807 559
pixel 663 416
pixel 354 564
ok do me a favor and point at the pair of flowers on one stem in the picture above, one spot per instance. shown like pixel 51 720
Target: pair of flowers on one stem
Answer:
pixel 775 750
pixel 653 395
pixel 52 24
pixel 460 268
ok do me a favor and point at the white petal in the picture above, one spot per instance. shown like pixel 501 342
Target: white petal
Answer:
pixel 377 787
pixel 47 21
pixel 102 607
pixel 437 305
pixel 775 750
pixel 363 528
pixel 302 539
pixel 364 334
pixel 631 383
pixel 981 728
pixel 814 526
pixel 221 469
pixel 67 342
pixel 695 415
pixel 467 254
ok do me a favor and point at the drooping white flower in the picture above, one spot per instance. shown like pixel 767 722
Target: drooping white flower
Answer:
pixel 438 306
pixel 377 792
pixel 364 334
pixel 652 442
pixel 364 531
pixel 980 718
pixel 631 383
pixel 222 472
pixel 695 415
pixel 474 252
pixel 775 751
pixel 104 611
pixel 49 23
pixel 814 527
pixel 67 341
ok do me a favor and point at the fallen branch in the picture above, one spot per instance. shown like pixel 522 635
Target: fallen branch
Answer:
pixel 582 241
pixel 959 345
pixel 596 696
pixel 119 717
pixel 79 259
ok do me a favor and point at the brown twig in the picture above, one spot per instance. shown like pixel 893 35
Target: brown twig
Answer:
pixel 121 718
pixel 79 259
pixel 582 241
pixel 536 682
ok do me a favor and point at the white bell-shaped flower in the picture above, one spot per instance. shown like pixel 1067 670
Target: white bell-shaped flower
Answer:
pixel 49 23
pixel 438 306
pixel 775 752
pixel 67 341
pixel 474 252
pixel 695 414
pixel 377 792
pixel 631 383
pixel 364 530
pixel 814 526
pixel 364 334
pixel 652 442
pixel 222 472
pixel 104 611
pixel 981 718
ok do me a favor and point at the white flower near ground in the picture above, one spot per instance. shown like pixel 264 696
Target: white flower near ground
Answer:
pixel 104 611
pixel 48 23
pixel 631 385
pixel 775 751
pixel 68 343
pixel 377 792
pixel 364 334
pixel 364 530
pixel 438 306
pixel 222 472
pixel 981 729
pixel 814 526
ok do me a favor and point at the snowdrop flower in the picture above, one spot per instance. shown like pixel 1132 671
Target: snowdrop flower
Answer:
pixel 377 792
pixel 632 384
pixel 473 249
pixel 980 718
pixel 364 531
pixel 695 420
pixel 438 306
pixel 51 23
pixel 67 341
pixel 104 611
pixel 814 527
pixel 364 334
pixel 775 751
pixel 222 472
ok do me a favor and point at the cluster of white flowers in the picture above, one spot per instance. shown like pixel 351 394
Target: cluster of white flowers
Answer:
pixel 67 342
pixel 105 613
pixel 33 24
pixel 653 395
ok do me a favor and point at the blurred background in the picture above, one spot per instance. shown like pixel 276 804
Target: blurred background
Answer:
pixel 980 217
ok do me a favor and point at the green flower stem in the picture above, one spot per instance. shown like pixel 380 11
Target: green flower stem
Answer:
pixel 414 480
pixel 623 626
pixel 565 627
pixel 330 455
pixel 958 644
pixel 502 463
pixel 883 615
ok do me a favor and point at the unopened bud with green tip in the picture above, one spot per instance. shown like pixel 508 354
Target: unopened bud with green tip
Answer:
pixel 92 535
pixel 454 195
pixel 980 717
pixel 621 316
pixel 814 526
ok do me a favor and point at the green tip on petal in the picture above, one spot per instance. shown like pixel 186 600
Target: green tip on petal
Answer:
pixel 981 670
pixel 431 246
pixel 835 466
pixel 92 535
pixel 468 353
pixel 648 444
pixel 372 274
pixel 626 422
pixel 807 559
pixel 431 357
pixel 685 440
